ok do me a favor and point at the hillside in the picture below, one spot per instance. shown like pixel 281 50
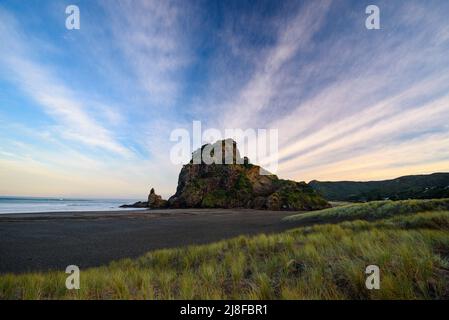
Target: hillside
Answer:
pixel 430 186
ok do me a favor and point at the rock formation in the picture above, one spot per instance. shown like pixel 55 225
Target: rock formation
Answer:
pixel 239 184
pixel 155 201
pixel 233 183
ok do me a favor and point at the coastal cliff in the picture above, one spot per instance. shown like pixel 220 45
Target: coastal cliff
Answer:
pixel 234 184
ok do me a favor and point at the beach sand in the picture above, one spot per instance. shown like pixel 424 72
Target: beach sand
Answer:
pixel 52 241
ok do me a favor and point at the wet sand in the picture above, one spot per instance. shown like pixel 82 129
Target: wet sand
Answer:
pixel 52 241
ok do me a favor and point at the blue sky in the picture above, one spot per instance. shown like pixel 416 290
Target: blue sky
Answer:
pixel 89 112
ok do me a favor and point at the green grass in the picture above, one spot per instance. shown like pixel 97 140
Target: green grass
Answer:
pixel 325 261
pixel 370 211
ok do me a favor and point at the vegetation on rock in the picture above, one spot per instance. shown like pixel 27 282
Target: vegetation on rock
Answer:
pixel 239 184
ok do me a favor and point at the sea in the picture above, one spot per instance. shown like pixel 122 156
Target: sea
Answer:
pixel 10 204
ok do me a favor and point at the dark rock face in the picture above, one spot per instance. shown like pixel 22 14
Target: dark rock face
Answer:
pixel 154 202
pixel 240 185
pixel 138 204
pixel 234 183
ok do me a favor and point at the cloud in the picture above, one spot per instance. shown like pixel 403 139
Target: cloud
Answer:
pixel 426 154
pixel 154 43
pixel 60 170
pixel 356 92
pixel 62 103
pixel 388 132
pixel 385 118
pixel 348 102
pixel 65 156
pixel 293 36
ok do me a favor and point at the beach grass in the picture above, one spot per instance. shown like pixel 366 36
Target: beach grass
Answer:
pixel 408 240
pixel 370 210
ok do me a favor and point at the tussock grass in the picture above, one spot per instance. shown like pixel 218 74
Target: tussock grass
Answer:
pixel 370 211
pixel 325 261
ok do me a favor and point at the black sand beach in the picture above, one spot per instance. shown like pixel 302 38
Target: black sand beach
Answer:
pixel 52 241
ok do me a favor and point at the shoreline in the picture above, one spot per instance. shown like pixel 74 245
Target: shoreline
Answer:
pixel 70 214
pixel 32 242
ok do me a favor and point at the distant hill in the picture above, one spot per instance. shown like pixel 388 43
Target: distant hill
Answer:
pixel 430 186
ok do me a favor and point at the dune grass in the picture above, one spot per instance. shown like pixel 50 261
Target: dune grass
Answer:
pixel 370 211
pixel 325 261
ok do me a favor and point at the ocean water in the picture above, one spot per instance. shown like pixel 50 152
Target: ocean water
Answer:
pixel 33 205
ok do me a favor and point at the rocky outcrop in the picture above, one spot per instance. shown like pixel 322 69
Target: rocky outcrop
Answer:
pixel 138 204
pixel 239 184
pixel 233 182
pixel 155 201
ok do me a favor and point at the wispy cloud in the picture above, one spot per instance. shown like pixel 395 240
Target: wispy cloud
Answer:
pixel 151 35
pixel 349 103
pixel 357 92
pixel 293 36
pixel 58 100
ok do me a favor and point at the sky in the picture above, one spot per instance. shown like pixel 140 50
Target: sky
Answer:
pixel 89 112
